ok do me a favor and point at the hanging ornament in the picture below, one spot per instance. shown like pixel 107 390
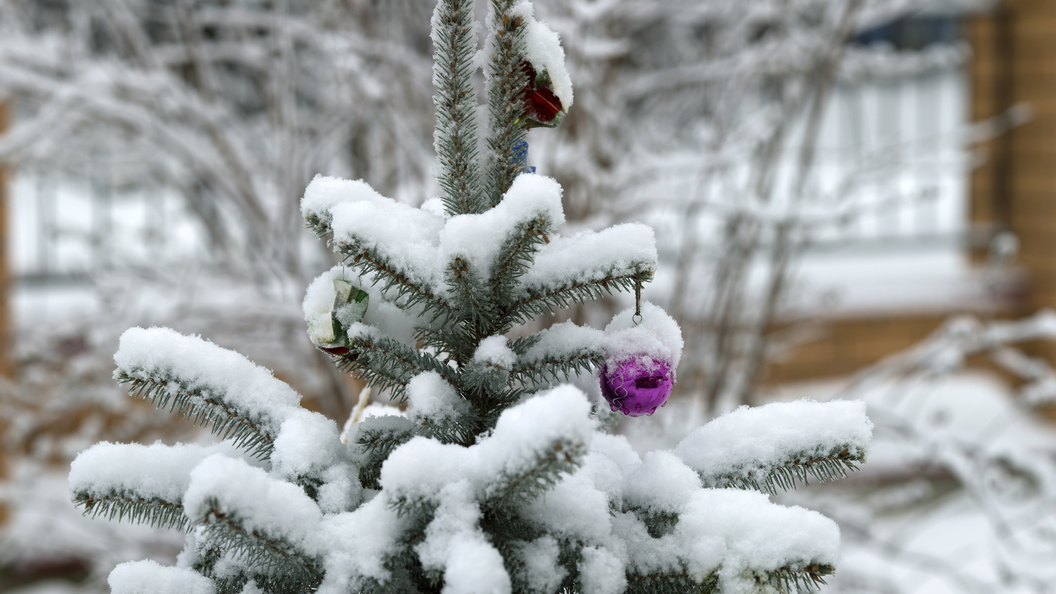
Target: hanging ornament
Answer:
pixel 329 330
pixel 643 347
pixel 542 108
pixel 637 386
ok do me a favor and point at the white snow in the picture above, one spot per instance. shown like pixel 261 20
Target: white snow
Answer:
pixel 565 338
pixel 433 400
pixel 405 236
pixel 307 444
pixel 559 415
pixel 197 365
pixel 601 572
pixel 657 335
pixel 573 509
pixel 454 543
pixel 662 483
pixel 544 52
pixel 540 558
pixel 494 351
pixel 150 577
pixel 758 535
pixel 757 439
pixel 478 237
pixel 359 543
pixel 592 256
pixel 133 470
pixel 273 508
pixel 324 192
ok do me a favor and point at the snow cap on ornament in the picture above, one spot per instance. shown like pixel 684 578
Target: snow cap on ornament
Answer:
pixel 640 360
pixel 547 94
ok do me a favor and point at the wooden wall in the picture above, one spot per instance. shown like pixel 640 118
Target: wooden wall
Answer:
pixel 1014 62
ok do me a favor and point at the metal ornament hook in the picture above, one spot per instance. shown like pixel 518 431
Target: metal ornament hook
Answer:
pixel 637 317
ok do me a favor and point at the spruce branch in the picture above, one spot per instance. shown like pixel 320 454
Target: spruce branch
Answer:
pixel 540 365
pixel 506 81
pixel 204 406
pixel 516 257
pixel 468 294
pixel 390 274
pixel 269 555
pixel 796 579
pixel 153 511
pixel 511 490
pixel 546 299
pixel 670 583
pixel 795 468
pixel 455 136
pixel 387 363
pixel 377 438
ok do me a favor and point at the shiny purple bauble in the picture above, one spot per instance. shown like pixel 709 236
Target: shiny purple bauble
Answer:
pixel 637 386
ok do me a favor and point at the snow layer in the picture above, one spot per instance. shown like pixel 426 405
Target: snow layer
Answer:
pixel 494 351
pixel 563 339
pixel 656 335
pixel 434 401
pixel 273 508
pixel 156 471
pixel 454 542
pixel 406 237
pixel 359 543
pixel 662 483
pixel 199 366
pixel 601 572
pixel 325 192
pixel 758 439
pixel 756 534
pixel 543 50
pixel 540 564
pixel 478 238
pixel 307 445
pixel 150 577
pixel 590 256
pixel 422 467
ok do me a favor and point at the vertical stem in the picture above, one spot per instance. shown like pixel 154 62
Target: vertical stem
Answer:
pixel 455 136
pixel 506 81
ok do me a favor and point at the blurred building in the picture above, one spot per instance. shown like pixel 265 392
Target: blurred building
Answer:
pixel 1008 241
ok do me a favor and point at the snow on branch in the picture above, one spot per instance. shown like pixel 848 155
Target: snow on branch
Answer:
pixel 142 483
pixel 747 541
pixel 586 266
pixel 151 577
pixel 271 526
pixel 776 445
pixel 498 245
pixel 401 256
pixel 560 352
pixel 208 384
pixel 386 363
pixel 533 445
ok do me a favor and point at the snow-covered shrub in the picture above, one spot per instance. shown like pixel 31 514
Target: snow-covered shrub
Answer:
pixel 499 478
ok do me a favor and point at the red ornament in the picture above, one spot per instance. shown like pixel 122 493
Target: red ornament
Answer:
pixel 541 105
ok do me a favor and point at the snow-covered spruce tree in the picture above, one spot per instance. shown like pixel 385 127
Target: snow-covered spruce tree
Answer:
pixel 495 480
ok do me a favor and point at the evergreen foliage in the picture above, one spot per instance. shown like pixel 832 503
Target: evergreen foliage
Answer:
pixel 496 479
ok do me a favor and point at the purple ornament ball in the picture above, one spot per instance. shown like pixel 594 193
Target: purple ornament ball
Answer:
pixel 637 386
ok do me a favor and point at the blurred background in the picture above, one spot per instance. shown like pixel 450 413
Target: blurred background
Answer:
pixel 852 199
